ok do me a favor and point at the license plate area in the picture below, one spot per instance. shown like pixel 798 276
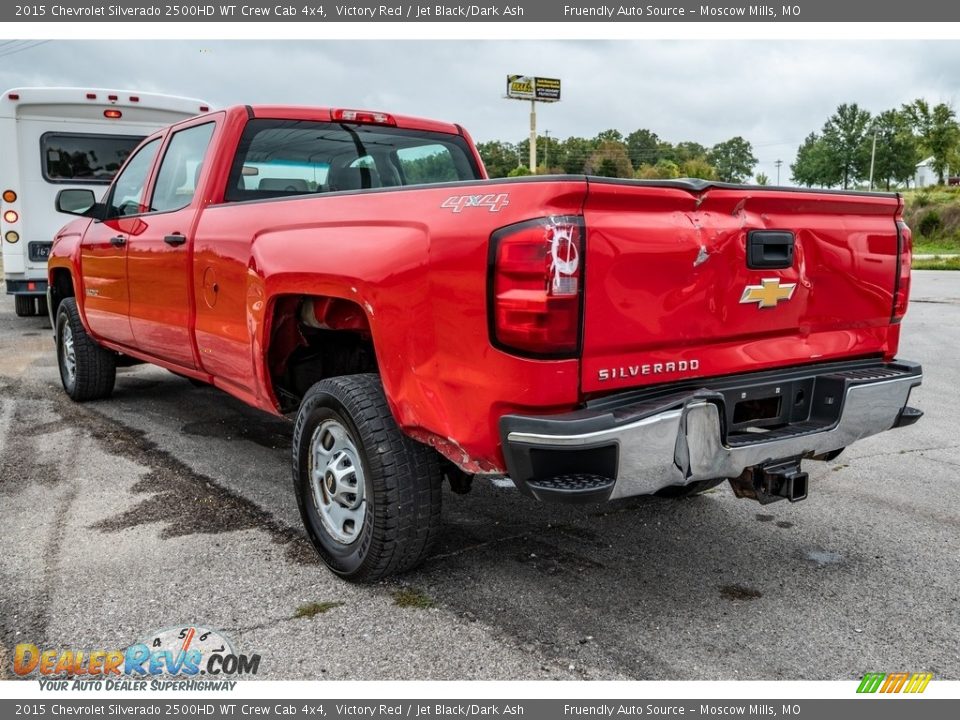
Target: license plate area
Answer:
pixel 39 251
pixel 760 408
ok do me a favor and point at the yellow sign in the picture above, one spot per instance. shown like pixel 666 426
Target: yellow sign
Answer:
pixel 527 87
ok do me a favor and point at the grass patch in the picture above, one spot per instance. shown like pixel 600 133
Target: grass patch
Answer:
pixel 412 598
pixel 315 608
pixel 941 246
pixel 934 216
pixel 937 263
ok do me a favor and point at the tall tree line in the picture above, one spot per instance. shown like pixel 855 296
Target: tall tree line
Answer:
pixel 641 154
pixel 895 141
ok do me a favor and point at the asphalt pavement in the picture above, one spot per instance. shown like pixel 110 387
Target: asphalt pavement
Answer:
pixel 170 505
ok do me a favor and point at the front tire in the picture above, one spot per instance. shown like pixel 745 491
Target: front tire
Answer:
pixel 369 495
pixel 87 371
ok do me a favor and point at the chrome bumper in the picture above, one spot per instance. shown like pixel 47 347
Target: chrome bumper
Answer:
pixel 686 442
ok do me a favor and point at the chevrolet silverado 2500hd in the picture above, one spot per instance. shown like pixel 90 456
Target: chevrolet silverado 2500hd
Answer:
pixel 590 338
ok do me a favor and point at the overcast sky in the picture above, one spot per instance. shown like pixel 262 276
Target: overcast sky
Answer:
pixel 773 93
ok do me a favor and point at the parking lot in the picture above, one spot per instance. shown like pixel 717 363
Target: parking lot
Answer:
pixel 171 505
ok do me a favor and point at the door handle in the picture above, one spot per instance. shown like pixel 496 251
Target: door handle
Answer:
pixel 770 249
pixel 175 240
pixel 118 241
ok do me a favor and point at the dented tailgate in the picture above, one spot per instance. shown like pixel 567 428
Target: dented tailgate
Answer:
pixel 669 294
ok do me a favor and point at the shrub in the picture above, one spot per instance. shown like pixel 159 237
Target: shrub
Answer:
pixel 929 224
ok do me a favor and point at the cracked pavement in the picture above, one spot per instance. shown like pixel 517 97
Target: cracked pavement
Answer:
pixel 170 505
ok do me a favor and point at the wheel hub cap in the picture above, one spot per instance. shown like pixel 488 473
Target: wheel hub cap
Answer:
pixel 337 482
pixel 69 353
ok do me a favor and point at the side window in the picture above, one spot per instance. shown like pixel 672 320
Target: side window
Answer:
pixel 279 158
pixel 180 168
pixel 127 194
pixel 427 164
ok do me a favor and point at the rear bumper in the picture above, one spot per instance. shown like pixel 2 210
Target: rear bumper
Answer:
pixel 640 442
pixel 26 287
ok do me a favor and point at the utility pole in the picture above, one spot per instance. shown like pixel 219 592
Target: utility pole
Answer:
pixel 778 163
pixel 533 137
pixel 546 150
pixel 873 156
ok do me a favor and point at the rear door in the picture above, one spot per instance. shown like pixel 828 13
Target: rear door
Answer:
pixel 158 258
pixel 672 292
pixel 103 251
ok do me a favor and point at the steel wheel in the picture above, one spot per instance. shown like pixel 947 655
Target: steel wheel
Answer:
pixel 369 495
pixel 69 354
pixel 337 481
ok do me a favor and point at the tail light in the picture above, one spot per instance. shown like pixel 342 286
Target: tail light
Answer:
pixel 901 291
pixel 536 287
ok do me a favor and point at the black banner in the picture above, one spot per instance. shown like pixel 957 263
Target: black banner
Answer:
pixel 321 11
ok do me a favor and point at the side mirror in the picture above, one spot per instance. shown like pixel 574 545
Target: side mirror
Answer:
pixel 75 201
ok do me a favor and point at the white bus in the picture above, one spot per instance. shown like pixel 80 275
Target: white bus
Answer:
pixel 52 138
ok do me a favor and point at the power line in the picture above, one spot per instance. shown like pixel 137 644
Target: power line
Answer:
pixel 21 48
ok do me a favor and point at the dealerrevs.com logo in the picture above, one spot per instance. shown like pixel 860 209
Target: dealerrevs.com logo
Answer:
pixel 179 658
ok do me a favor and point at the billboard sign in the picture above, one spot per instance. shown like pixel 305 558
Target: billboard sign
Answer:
pixel 527 87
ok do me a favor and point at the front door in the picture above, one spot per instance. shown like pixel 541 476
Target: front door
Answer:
pixel 159 258
pixel 103 251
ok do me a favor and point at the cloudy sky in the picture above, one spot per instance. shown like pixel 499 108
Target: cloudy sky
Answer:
pixel 771 92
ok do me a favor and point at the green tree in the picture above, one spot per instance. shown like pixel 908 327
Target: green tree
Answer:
pixel 733 159
pixel 498 157
pixel 573 154
pixel 844 136
pixel 897 149
pixel 937 130
pixel 643 147
pixel 519 171
pixel 698 167
pixel 610 135
pixel 762 179
pixel 688 150
pixel 610 159
pixel 663 170
pixel 813 165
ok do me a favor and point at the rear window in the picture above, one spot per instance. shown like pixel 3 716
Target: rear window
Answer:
pixel 84 158
pixel 277 158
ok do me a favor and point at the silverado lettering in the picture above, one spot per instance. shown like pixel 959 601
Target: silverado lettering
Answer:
pixel 631 371
pixel 313 263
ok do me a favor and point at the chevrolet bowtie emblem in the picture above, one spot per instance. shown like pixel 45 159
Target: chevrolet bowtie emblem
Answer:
pixel 768 293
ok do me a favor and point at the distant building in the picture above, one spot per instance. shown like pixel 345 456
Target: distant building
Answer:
pixel 924 174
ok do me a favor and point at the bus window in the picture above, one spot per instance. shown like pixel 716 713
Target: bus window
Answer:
pixel 84 158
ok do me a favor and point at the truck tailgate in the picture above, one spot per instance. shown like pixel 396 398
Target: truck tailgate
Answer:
pixel 669 294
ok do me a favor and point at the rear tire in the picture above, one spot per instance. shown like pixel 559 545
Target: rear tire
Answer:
pixel 369 495
pixel 87 371
pixel 678 492
pixel 42 306
pixel 24 305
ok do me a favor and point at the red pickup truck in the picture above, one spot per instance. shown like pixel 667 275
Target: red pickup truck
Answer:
pixel 589 338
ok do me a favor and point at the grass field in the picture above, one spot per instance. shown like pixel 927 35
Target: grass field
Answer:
pixel 934 216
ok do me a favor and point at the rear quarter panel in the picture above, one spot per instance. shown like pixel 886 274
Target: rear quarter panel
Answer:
pixel 418 270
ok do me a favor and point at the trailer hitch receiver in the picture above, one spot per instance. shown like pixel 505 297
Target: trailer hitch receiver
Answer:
pixel 771 482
